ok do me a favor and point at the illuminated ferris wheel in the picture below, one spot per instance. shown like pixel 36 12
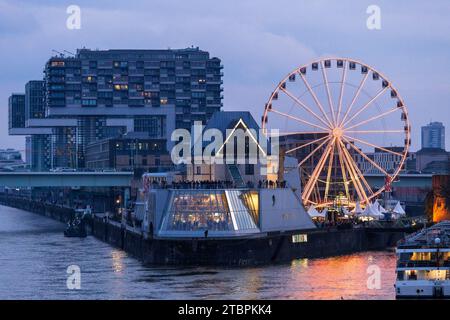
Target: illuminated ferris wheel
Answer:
pixel 342 120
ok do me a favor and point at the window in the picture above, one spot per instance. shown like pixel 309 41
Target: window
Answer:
pixel 57 64
pixel 120 87
pixel 198 210
pixel 249 169
pixel 89 102
pixel 297 238
pixel 199 170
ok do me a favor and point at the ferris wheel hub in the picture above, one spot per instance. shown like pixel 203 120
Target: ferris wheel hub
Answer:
pixel 337 132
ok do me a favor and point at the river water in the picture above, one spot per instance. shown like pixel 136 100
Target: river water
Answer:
pixel 34 257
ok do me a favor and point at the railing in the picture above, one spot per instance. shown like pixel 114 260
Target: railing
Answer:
pixel 216 185
pixel 423 264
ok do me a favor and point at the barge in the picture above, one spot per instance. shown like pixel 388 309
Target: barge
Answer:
pixel 216 225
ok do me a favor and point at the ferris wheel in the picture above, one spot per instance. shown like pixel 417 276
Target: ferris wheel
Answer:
pixel 342 120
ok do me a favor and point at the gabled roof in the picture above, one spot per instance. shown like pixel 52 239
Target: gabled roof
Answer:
pixel 229 120
pixel 223 120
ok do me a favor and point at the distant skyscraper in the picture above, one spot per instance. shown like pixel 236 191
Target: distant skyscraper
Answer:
pixel 433 135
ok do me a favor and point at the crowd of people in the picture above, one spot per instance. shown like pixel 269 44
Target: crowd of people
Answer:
pixel 209 223
pixel 219 184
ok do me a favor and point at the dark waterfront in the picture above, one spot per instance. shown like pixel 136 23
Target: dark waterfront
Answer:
pixel 34 256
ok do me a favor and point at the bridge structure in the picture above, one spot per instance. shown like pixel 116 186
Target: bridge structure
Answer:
pixel 123 179
pixel 403 180
pixel 65 179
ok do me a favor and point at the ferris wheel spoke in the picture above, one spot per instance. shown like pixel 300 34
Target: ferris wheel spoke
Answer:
pixel 306 144
pixel 313 152
pixel 373 118
pixel 358 172
pixel 299 102
pixel 374 145
pixel 355 176
pixel 298 119
pixel 317 193
pixel 309 187
pixel 367 158
pixel 344 174
pixel 315 98
pixel 365 106
pixel 291 133
pixel 347 168
pixel 341 93
pixel 330 166
pixel 374 131
pixel 361 85
pixel 316 173
pixel 330 102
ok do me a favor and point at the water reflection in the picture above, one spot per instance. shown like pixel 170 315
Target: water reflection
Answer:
pixel 117 259
pixel 34 256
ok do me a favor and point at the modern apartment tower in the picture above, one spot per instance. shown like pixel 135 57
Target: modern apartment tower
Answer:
pixel 99 94
pixel 433 135
pixel 16 111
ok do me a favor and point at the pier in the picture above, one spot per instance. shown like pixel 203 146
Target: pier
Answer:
pixel 274 247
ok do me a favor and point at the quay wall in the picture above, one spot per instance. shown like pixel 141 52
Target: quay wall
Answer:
pixel 63 214
pixel 274 248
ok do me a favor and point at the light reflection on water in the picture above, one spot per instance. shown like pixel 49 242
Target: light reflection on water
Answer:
pixel 34 256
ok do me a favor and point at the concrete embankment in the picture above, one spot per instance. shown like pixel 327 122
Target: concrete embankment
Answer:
pixel 270 248
pixel 56 212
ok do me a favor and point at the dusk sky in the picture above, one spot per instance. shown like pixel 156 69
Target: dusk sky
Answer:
pixel 259 42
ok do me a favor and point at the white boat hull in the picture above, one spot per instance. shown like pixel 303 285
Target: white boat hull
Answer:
pixel 422 289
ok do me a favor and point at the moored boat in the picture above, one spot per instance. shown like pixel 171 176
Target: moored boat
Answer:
pixel 423 264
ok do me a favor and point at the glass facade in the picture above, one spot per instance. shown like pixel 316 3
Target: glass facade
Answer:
pixel 212 210
pixel 16 106
pixel 34 99
pixel 193 210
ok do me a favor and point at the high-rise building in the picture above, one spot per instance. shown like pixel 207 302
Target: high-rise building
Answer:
pixel 101 94
pixel 39 144
pixel 433 135
pixel 34 99
pixel 16 111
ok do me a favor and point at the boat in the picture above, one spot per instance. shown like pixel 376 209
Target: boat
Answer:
pixel 76 227
pixel 423 264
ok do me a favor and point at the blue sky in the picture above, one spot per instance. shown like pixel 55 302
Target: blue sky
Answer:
pixel 259 42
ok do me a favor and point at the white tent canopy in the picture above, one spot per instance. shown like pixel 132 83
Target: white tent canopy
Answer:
pixel 398 209
pixel 381 209
pixel 313 213
pixel 371 211
pixel 357 209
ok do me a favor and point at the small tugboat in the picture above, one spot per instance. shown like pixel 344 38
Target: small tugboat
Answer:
pixel 423 264
pixel 76 227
